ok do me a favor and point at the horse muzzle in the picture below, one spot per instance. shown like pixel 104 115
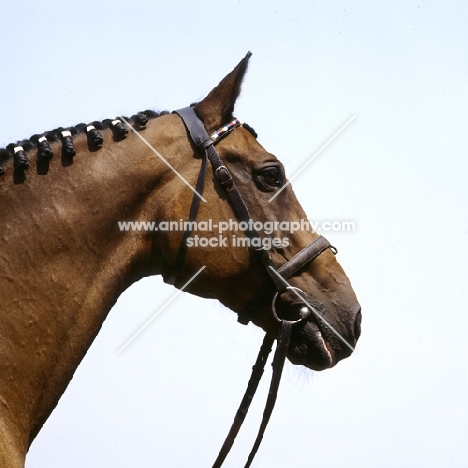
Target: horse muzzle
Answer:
pixel 320 343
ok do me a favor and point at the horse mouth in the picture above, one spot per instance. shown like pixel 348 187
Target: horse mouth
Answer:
pixel 309 348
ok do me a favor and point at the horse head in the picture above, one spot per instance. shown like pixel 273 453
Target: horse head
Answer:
pixel 234 272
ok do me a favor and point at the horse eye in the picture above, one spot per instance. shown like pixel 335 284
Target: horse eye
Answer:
pixel 272 176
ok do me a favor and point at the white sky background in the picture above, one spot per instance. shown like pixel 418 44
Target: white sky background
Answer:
pixel 399 171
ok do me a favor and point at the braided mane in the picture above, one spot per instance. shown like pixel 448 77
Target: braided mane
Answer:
pixel 16 151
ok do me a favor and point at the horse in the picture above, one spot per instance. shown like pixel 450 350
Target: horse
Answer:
pixel 64 258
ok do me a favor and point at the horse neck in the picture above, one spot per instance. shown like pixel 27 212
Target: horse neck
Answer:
pixel 64 263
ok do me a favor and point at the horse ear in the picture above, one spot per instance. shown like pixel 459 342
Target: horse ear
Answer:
pixel 217 108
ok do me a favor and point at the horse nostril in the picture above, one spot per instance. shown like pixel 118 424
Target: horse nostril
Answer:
pixel 357 325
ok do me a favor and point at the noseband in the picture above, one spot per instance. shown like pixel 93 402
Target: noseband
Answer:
pixel 276 285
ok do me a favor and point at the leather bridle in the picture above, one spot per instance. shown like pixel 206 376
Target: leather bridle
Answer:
pixel 276 285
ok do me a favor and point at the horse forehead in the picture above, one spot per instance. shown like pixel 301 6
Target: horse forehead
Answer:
pixel 245 146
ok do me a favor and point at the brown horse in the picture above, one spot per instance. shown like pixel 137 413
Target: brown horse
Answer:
pixel 64 260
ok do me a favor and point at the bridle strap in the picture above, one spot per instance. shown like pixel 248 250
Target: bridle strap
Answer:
pixel 240 210
pixel 305 256
pixel 278 363
pixel 198 136
pixel 195 205
pixel 257 372
pixel 284 337
pixel 195 127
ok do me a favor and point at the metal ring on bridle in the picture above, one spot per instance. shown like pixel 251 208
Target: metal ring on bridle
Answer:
pixel 304 312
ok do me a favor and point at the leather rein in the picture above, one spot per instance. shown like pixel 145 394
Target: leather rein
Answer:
pixel 276 285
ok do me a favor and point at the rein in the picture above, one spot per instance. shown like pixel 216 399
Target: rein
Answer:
pixel 276 285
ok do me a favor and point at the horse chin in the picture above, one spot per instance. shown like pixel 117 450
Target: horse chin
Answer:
pixel 309 348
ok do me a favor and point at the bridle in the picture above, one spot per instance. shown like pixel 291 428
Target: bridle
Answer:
pixel 275 287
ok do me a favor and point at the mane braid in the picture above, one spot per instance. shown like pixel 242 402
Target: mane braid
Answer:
pixel 17 151
pixel 250 129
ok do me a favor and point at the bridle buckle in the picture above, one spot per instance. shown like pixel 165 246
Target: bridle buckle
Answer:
pixel 224 176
